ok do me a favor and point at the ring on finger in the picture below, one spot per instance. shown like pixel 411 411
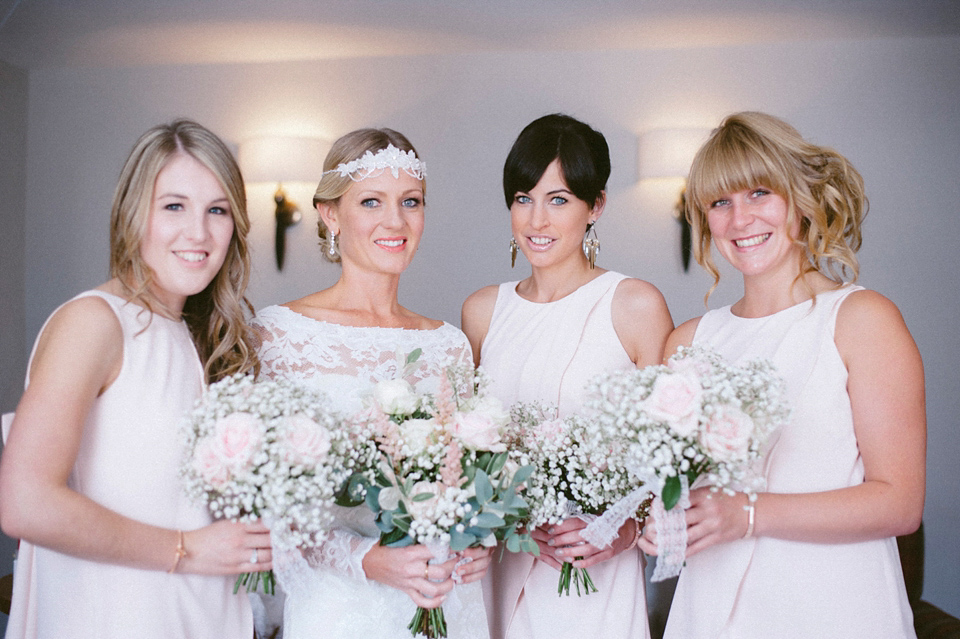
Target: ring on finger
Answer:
pixel 426 571
pixel 254 556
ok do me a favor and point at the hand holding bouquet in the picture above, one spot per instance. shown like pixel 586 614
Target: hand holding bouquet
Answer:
pixel 443 478
pixel 268 449
pixel 574 474
pixel 698 416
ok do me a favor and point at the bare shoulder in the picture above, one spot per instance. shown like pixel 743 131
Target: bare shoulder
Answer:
pixel 867 319
pixel 83 338
pixel 475 317
pixel 681 336
pixel 641 320
pixel 478 308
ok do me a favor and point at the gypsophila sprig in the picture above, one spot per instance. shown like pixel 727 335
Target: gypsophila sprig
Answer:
pixel 576 473
pixel 271 450
pixel 443 478
pixel 696 417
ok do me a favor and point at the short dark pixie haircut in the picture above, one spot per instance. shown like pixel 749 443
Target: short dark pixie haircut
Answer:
pixel 582 151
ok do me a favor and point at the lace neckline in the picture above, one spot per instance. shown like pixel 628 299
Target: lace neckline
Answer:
pixel 347 327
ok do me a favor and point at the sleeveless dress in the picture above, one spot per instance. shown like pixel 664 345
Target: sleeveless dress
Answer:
pixel 548 352
pixel 764 587
pixel 128 461
pixel 327 592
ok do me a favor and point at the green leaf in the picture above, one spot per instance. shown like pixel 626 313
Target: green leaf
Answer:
pixel 373 499
pixel 497 462
pixel 483 486
pixel 461 540
pixel 423 496
pixel 396 539
pixel 413 356
pixel 522 475
pixel 671 492
pixel 489 520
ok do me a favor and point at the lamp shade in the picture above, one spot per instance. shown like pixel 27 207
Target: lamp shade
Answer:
pixel 667 153
pixel 282 159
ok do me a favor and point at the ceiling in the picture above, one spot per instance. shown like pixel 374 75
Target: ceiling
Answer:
pixel 95 33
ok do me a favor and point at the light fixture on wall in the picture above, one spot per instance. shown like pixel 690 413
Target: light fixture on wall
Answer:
pixel 665 156
pixel 280 159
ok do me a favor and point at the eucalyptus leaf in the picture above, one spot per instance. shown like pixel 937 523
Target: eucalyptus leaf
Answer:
pixel 483 486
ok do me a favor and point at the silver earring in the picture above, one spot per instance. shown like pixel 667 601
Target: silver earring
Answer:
pixel 591 245
pixel 514 247
pixel 333 250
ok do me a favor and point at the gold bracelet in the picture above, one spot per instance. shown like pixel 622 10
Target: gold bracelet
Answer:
pixel 181 552
pixel 751 514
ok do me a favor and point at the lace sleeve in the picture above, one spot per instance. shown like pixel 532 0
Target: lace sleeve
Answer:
pixel 342 552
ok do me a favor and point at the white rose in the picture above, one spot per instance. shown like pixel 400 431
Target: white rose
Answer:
pixel 419 508
pixel 477 430
pixel 726 435
pixel 675 399
pixel 396 397
pixel 418 433
pixel 389 498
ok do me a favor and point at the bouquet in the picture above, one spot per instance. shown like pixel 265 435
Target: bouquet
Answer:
pixel 269 449
pixel 443 478
pixel 574 474
pixel 698 416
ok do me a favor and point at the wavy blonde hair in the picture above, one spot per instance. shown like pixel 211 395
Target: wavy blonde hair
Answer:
pixel 820 186
pixel 347 148
pixel 217 315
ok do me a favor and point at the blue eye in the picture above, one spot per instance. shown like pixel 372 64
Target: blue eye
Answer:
pixel 760 191
pixel 718 203
pixel 173 206
pixel 411 202
pixel 370 202
pixel 558 200
pixel 219 210
pixel 522 199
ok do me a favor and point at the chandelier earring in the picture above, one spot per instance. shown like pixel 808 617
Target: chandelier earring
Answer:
pixel 591 245
pixel 514 247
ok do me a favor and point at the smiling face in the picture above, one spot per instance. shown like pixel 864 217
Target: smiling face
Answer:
pixel 379 221
pixel 548 222
pixel 752 230
pixel 188 233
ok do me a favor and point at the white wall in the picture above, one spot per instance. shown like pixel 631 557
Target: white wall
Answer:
pixel 888 104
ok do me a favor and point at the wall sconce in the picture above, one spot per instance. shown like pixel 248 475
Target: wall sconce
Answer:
pixel 282 159
pixel 665 156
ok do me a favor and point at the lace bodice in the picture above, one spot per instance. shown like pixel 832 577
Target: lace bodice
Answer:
pixel 345 362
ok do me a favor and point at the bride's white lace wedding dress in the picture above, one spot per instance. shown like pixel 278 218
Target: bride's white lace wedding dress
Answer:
pixel 328 594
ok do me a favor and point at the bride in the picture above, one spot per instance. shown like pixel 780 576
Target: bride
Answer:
pixel 343 340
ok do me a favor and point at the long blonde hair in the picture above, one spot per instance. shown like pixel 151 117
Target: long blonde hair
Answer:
pixel 820 186
pixel 217 315
pixel 347 148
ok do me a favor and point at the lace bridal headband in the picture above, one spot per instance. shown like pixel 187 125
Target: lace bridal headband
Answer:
pixel 374 164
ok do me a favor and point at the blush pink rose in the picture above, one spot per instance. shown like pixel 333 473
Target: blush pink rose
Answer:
pixel 303 441
pixel 550 430
pixel 209 465
pixel 726 435
pixel 477 430
pixel 238 438
pixel 675 399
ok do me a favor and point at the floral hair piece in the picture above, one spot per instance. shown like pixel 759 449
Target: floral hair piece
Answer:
pixel 374 164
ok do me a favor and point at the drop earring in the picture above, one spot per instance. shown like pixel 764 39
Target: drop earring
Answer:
pixel 514 247
pixel 591 245
pixel 333 250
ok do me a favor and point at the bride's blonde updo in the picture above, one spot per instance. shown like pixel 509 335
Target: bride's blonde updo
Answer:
pixel 333 185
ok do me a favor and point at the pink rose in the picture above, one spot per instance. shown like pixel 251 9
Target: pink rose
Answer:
pixel 550 430
pixel 423 507
pixel 727 434
pixel 209 464
pixel 691 365
pixel 675 399
pixel 303 441
pixel 476 429
pixel 238 438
